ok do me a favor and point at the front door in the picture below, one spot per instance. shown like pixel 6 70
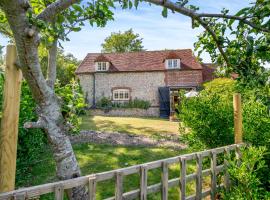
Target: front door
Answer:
pixel 164 101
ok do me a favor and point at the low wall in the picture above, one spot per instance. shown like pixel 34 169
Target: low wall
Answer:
pixel 127 112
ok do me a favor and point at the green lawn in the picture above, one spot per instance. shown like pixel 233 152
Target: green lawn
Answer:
pixel 154 127
pixel 94 158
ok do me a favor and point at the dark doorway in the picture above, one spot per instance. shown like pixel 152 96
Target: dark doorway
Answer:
pixel 164 101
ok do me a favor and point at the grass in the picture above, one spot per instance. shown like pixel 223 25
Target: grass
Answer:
pixel 154 127
pixel 94 158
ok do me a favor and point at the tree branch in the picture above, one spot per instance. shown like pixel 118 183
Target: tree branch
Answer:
pixel 51 70
pixel 214 36
pixel 193 14
pixel 242 19
pixel 39 124
pixel 55 8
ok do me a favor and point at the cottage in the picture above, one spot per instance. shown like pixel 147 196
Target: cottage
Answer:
pixel 155 76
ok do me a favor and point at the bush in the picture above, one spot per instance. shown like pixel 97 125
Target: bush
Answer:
pixel 210 118
pixel 32 142
pixel 106 103
pixel 210 115
pixel 72 103
pixel 245 181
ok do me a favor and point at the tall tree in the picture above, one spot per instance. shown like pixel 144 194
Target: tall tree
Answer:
pixel 34 22
pixel 119 42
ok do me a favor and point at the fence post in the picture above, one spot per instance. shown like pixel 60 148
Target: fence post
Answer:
pixel 237 118
pixel 9 122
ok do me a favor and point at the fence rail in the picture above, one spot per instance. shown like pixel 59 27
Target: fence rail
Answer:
pixel 91 181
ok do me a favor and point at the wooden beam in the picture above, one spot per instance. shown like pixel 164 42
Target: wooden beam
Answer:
pixel 237 118
pixel 9 122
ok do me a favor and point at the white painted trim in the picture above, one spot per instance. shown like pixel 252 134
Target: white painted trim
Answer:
pixel 167 64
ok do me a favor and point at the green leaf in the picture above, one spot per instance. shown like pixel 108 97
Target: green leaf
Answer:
pixel 77 7
pixel 165 12
pixel 136 3
pixel 76 29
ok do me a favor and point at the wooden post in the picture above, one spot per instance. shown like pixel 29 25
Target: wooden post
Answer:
pixel 9 122
pixel 237 118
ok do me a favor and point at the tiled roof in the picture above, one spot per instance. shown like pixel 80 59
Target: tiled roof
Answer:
pixel 139 61
pixel 208 71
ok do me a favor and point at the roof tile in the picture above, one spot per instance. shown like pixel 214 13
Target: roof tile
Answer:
pixel 139 61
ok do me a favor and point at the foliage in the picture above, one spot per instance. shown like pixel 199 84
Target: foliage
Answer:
pixel 245 180
pixel 210 117
pixel 1 57
pixel 120 42
pixel 246 48
pixel 72 102
pixel 66 65
pixel 106 103
pixel 31 142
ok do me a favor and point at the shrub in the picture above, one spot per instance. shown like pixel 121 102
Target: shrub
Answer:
pixel 210 118
pixel 72 103
pixel 106 103
pixel 245 181
pixel 32 142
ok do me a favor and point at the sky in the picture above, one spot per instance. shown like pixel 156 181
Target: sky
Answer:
pixel 173 32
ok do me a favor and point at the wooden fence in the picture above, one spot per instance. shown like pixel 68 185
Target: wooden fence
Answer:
pixel 91 181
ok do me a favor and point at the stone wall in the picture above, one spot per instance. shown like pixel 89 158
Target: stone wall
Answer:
pixel 128 112
pixel 143 85
pixel 87 84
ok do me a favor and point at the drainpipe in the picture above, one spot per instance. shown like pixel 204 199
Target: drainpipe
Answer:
pixel 94 90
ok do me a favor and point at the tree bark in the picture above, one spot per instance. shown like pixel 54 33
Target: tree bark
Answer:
pixel 27 41
pixel 51 70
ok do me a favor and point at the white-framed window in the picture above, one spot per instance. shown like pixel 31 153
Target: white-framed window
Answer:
pixel 173 63
pixel 101 66
pixel 121 94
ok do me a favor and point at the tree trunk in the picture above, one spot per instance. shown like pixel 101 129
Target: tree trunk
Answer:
pixel 51 70
pixel 50 117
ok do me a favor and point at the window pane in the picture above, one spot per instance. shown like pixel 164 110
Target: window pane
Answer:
pixel 116 95
pixel 126 95
pixel 169 63
pixel 174 63
pixel 104 66
pixel 121 95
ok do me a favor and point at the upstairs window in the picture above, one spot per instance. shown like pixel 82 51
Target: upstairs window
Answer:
pixel 121 95
pixel 101 66
pixel 173 63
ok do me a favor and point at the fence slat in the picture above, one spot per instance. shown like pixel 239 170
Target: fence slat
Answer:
pixel 199 177
pixel 92 184
pixel 226 173
pixel 119 186
pixel 59 192
pixel 183 178
pixel 143 183
pixel 165 177
pixel 213 174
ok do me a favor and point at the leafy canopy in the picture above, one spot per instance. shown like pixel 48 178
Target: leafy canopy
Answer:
pixel 119 42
